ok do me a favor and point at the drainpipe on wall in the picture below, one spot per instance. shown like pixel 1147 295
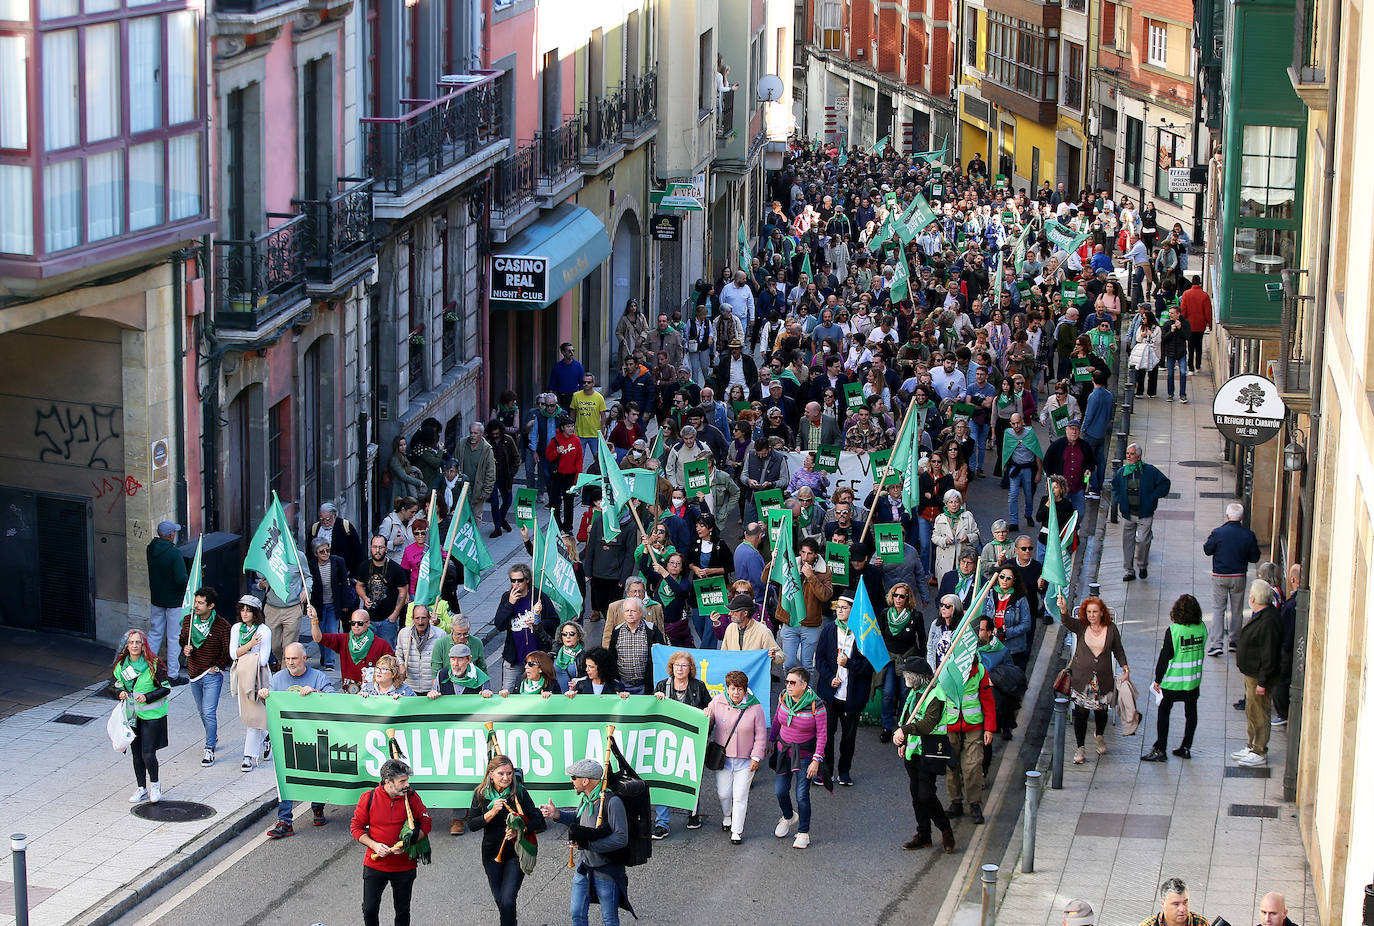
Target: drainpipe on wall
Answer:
pixel 178 262
pixel 1309 483
pixel 209 416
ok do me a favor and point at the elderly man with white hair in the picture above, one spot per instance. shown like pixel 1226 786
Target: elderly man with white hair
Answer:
pixel 1259 649
pixel 1138 488
pixel 1232 547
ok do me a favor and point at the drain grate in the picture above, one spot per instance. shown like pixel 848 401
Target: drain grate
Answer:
pixel 174 811
pixel 76 720
pixel 1216 495
pixel 1206 479
pixel 1240 771
pixel 1173 495
pixel 1199 464
pixel 1254 810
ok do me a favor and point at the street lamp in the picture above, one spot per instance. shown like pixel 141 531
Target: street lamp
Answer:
pixel 1294 453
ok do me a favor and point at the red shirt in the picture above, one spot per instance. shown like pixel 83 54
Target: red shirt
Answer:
pixel 567 462
pixel 348 669
pixel 1196 308
pixel 989 709
pixel 381 817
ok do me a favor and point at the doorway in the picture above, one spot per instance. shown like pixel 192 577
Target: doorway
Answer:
pixel 624 278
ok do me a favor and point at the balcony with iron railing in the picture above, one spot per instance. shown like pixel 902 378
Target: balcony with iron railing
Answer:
pixel 725 121
pixel 515 190
pixel 261 277
pixel 558 152
pixel 639 97
pixel 1308 71
pixel 603 121
pixel 436 144
pixel 338 234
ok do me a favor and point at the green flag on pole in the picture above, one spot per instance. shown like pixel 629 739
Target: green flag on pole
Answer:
pixel 616 490
pixel 1053 572
pixel 554 575
pixel 272 552
pixel 785 572
pixel 468 547
pixel 844 156
pixel 432 563
pixel 743 240
pixel 963 650
pixel 905 455
pixel 1064 238
pixel 806 263
pixel 193 581
pixel 901 278
pixel 881 144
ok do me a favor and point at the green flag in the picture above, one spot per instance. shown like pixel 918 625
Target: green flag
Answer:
pixel 468 546
pixel 432 563
pixel 905 455
pixel 743 241
pixel 616 490
pixel 954 669
pixel 1053 572
pixel 193 581
pixel 1063 238
pixel 881 144
pixel 555 575
pixel 919 215
pixel 901 278
pixel 785 571
pixel 272 552
pixel 932 156
pixel 844 156
pixel 806 263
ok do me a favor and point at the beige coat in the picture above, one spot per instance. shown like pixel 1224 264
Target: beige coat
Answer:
pixel 614 618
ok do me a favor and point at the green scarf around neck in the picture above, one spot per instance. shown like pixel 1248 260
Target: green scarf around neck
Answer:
pixel 898 619
pixel 589 799
pixel 745 703
pixel 793 708
pixel 472 678
pixel 200 629
pixel 359 645
pixel 491 795
pixel 246 632
pixel 567 655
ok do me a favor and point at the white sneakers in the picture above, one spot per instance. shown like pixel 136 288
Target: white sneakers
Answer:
pixel 1252 759
pixel 139 796
pixel 154 792
pixel 208 759
pixel 247 765
pixel 1241 753
pixel 784 826
pixel 802 841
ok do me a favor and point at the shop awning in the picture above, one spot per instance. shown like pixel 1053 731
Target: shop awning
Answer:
pixel 573 242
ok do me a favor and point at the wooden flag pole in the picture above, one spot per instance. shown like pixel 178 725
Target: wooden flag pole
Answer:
pixel 887 469
pixel 448 556
pixel 642 532
pixel 974 611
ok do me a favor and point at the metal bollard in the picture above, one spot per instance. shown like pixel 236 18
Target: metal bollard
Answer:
pixel 1094 589
pixel 1114 509
pixel 1061 718
pixel 989 895
pixel 1030 812
pixel 19 844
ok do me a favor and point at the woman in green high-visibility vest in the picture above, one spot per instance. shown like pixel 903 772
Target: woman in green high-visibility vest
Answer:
pixel 1178 676
pixel 141 678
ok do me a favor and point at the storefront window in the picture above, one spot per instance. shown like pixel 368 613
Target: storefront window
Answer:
pixel 1268 172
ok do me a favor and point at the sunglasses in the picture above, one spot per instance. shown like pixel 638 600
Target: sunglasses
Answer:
pixel 569 633
pixel 358 623
pixel 1006 578
pixel 896 595
pixel 515 580
pixel 531 665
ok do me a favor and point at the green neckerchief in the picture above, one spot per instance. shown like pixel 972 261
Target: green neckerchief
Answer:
pixel 473 678
pixel 793 708
pixel 200 629
pixel 589 799
pixel 491 795
pixel 998 594
pixel 898 619
pixel 245 637
pixel 531 685
pixel 1131 468
pixel 963 583
pixel 953 515
pixel 1003 400
pixel 748 701
pixel 359 645
pixel 994 645
pixel 565 656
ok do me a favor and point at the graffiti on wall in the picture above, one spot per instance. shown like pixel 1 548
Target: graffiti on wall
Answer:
pixel 83 435
pixel 112 488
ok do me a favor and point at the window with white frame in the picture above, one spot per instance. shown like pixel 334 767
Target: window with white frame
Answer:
pixel 1157 51
pixel 831 32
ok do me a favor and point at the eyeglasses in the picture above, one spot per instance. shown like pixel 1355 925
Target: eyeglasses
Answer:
pixel 795 681
pixel 945 605
pixel 902 595
pixel 358 623
pixel 516 579
pixel 1005 577
pixel 322 549
pixel 568 633
pixel 1024 549
pixel 531 665
pixel 462 633
pixel 420 533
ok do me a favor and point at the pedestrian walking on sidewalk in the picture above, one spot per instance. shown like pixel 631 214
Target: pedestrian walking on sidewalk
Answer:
pixel 250 646
pixel 167 579
pixel 300 678
pixel 1274 910
pixel 1137 487
pixel 204 641
pixel 1178 676
pixel 503 810
pixel 141 678
pixel 1173 907
pixel 923 743
pixel 1092 683
pixel 1232 547
pixel 1259 657
pixel 377 823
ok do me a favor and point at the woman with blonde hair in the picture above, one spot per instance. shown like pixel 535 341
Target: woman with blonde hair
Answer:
pixel 250 648
pixel 903 630
pixel 505 813
pixel 682 686
pixel 388 679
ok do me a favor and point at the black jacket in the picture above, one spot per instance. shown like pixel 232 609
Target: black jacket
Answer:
pixel 647 677
pixel 827 666
pixel 583 685
pixel 1259 648
pixel 1054 458
pixel 721 373
pixel 494 833
pixel 912 636
pixel 343 540
pixel 610 559
pixel 345 594
pixel 698 695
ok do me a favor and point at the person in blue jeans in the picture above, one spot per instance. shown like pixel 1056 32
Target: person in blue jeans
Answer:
pixel 1020 453
pixel 295 679
pixel 597 826
pixel 798 735
pixel 1097 426
pixel 980 393
pixel 204 643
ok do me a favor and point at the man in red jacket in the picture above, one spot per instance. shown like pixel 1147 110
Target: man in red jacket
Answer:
pixel 970 725
pixel 1196 309
pixel 377 823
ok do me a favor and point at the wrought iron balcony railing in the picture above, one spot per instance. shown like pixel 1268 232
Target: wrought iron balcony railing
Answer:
pixel 437 135
pixel 517 181
pixel 603 120
pixel 338 230
pixel 257 278
pixel 559 150
pixel 639 97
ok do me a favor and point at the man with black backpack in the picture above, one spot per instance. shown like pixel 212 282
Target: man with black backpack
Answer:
pixel 600 828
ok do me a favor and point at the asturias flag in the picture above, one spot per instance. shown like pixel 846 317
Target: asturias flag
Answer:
pixel 868 637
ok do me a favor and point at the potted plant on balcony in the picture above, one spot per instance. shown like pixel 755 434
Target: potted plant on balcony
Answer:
pixel 451 313
pixel 417 337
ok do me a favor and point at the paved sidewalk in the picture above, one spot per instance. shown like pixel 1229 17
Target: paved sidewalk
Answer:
pixel 1119 827
pixel 67 789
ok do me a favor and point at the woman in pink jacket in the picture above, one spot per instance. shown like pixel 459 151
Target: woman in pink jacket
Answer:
pixel 798 734
pixel 737 723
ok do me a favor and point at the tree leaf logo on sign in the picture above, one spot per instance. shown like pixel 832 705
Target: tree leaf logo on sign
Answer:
pixel 1248 410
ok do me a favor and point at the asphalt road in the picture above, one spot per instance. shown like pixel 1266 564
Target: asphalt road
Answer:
pixel 854 871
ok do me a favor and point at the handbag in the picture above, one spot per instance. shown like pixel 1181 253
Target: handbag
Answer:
pixel 715 752
pixel 1061 682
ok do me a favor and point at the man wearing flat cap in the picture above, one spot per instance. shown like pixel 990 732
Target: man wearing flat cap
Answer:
pixel 1079 913
pixel 1073 458
pixel 598 827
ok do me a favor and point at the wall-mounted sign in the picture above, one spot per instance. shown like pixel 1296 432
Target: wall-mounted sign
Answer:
pixel 666 227
pixel 1181 181
pixel 517 278
pixel 1247 410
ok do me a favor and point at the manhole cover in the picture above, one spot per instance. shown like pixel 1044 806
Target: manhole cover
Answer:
pixel 76 720
pixel 1199 464
pixel 1254 810
pixel 174 811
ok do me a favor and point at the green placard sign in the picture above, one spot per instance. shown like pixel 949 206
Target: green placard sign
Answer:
pixel 962 410
pixel 837 558
pixel 889 540
pixel 525 502
pixel 853 396
pixel 827 458
pixel 697 476
pixel 877 464
pixel 767 499
pixel 1059 417
pixel 739 406
pixel 712 595
pixel 330 747
pixel 1082 369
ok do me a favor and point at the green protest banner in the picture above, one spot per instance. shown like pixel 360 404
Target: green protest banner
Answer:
pixel 525 502
pixel 739 406
pixel 330 747
pixel 877 464
pixel 712 595
pixel 853 397
pixel 837 558
pixel 828 458
pixel 767 499
pixel 1082 369
pixel 888 538
pixel 695 474
pixel 961 410
pixel 1059 417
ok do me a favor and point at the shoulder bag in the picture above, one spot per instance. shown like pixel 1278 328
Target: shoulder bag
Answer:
pixel 715 752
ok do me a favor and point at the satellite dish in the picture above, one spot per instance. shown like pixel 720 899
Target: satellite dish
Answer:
pixel 770 88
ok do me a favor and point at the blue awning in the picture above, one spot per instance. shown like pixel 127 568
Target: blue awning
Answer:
pixel 573 240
